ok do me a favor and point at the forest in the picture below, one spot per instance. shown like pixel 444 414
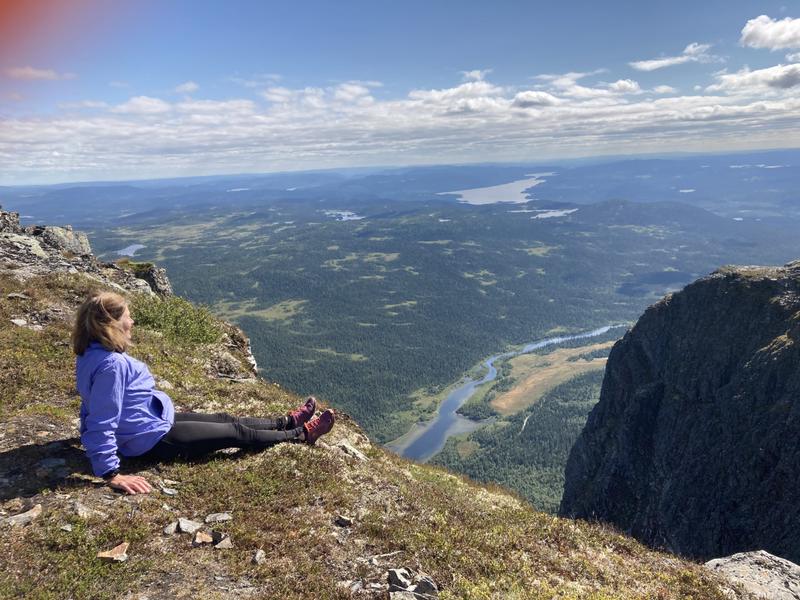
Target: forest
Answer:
pixel 528 451
pixel 364 303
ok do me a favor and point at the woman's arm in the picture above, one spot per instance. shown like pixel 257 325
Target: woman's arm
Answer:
pixel 102 419
pixel 103 411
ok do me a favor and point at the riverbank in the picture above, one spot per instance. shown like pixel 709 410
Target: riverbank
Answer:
pixel 424 439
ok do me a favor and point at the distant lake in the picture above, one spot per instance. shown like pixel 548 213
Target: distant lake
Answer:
pixel 130 250
pixel 508 192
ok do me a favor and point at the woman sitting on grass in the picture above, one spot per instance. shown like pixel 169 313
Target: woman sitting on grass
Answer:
pixel 121 411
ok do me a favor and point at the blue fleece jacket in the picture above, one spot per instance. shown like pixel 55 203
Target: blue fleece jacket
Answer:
pixel 121 411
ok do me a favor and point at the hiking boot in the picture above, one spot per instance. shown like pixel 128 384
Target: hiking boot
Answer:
pixel 318 427
pixel 303 413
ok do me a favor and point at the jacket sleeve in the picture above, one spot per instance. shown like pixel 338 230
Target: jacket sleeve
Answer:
pixel 103 413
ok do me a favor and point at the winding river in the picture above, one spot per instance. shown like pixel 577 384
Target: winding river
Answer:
pixel 424 441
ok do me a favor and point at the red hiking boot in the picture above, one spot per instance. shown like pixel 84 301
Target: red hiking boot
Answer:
pixel 303 413
pixel 318 427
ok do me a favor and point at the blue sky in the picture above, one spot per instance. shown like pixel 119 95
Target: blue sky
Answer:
pixel 170 88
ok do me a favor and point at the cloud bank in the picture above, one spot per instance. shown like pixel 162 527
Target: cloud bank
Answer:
pixel 271 127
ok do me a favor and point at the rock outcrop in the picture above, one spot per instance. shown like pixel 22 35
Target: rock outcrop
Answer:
pixel 694 445
pixel 41 250
pixel 761 574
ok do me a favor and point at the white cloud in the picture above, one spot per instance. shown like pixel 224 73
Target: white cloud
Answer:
pixel 694 52
pixel 143 105
pixel 475 75
pixel 471 90
pixel 240 107
pixel 793 57
pixel 566 84
pixel 30 73
pixel 625 86
pixel 765 32
pixel 189 87
pixel 531 99
pixel 352 92
pixel 278 94
pixel 779 77
pixel 664 89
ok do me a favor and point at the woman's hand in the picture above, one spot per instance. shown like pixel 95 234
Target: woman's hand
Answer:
pixel 131 484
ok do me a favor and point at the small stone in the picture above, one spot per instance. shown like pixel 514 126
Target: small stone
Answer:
pixel 200 538
pixel 218 517
pixel 24 518
pixel 352 451
pixel 116 554
pixel 171 482
pixel 17 296
pixel 426 587
pixel 66 527
pixel 402 595
pixel 188 526
pixel 171 528
pixel 169 491
pixel 343 521
pixel 399 579
pixel 224 544
pixel 259 557
pixel 218 536
pixel 166 506
pixel 19 322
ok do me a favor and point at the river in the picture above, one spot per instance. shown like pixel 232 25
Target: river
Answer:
pixel 424 441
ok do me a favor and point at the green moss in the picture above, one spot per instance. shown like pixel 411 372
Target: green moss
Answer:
pixel 177 319
pixel 137 268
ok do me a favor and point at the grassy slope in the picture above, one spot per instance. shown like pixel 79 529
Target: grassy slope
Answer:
pixel 476 542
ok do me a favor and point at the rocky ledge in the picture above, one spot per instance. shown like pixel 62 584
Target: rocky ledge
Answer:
pixel 44 250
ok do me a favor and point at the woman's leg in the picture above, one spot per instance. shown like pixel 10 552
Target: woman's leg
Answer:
pixel 279 423
pixel 294 419
pixel 197 438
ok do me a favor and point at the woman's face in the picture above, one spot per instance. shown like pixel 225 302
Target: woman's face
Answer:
pixel 126 322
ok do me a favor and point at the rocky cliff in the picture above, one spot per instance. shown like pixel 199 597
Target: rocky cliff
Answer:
pixel 694 445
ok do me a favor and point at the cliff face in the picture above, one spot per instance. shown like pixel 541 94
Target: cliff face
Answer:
pixel 694 445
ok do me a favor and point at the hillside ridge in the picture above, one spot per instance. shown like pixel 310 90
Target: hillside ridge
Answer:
pixel 344 519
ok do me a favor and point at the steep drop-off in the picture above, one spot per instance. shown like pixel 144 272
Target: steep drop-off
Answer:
pixel 694 445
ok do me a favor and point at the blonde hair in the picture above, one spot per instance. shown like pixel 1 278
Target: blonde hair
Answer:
pixel 98 320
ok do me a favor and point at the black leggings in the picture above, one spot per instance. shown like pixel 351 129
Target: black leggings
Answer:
pixel 196 434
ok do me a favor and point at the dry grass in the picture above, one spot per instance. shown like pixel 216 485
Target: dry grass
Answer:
pixel 537 374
